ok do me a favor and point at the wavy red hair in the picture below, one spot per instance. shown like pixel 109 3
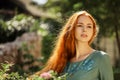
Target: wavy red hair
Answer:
pixel 65 45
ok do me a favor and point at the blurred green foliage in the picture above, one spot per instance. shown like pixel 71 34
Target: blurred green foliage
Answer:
pixel 54 76
pixel 16 26
pixel 5 75
pixel 47 46
pixel 106 13
pixel 27 60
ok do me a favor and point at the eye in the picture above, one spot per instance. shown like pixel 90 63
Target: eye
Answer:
pixel 79 25
pixel 89 26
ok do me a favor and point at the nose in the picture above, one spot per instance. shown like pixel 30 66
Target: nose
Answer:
pixel 84 29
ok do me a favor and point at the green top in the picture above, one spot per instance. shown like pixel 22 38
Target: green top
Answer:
pixel 96 66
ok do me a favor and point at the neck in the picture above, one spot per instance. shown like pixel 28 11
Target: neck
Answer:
pixel 82 49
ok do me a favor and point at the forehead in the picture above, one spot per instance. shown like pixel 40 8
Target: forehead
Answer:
pixel 84 19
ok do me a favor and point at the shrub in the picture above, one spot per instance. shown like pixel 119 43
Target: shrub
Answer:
pixel 5 75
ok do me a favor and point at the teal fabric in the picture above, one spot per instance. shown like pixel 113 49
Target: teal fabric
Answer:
pixel 96 66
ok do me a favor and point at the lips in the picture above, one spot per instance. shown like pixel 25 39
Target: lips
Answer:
pixel 83 35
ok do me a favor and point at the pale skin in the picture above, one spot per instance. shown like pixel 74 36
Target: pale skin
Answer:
pixel 83 33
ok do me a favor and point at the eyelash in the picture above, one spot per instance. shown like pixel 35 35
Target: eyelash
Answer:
pixel 89 26
pixel 79 26
pixel 82 26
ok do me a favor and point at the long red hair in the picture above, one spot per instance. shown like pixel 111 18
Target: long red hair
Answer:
pixel 65 45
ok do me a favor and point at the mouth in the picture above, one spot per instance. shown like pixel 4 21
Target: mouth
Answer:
pixel 84 35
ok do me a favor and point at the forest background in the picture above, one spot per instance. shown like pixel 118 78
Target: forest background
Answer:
pixel 41 21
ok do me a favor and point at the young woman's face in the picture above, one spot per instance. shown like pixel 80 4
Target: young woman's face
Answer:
pixel 84 29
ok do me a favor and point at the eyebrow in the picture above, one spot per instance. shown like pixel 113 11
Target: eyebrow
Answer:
pixel 89 24
pixel 82 23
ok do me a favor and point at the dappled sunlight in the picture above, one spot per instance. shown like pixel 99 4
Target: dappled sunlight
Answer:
pixel 29 29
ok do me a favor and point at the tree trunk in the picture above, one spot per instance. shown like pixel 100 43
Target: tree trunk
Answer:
pixel 118 41
pixel 117 38
pixel 32 9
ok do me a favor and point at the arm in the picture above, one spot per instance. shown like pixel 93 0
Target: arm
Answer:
pixel 105 68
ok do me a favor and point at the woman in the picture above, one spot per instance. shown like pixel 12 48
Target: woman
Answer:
pixel 74 55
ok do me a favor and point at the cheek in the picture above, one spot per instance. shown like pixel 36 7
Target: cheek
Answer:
pixel 91 33
pixel 78 30
pixel 77 33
